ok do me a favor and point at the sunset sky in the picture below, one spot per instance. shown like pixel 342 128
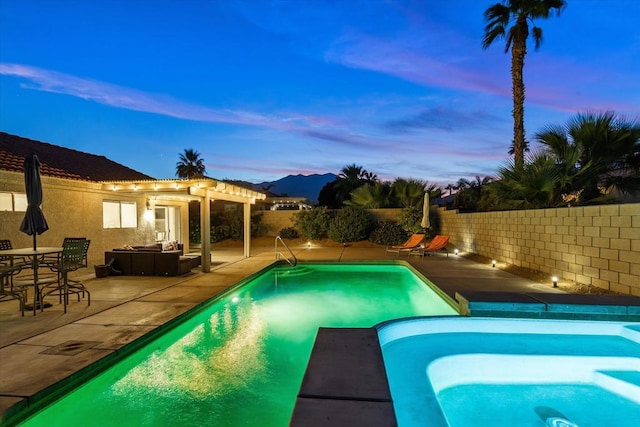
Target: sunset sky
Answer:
pixel 264 89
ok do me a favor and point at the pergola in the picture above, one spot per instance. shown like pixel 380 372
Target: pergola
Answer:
pixel 204 190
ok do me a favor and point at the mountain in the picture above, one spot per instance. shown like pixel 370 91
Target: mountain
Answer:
pixel 308 186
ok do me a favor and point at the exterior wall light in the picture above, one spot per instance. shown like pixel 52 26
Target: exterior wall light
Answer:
pixel 493 263
pixel 148 213
pixel 554 279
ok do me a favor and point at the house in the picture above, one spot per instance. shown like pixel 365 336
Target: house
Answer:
pixel 280 203
pixel 112 205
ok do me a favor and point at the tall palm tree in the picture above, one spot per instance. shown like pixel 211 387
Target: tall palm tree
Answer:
pixel 518 14
pixel 191 165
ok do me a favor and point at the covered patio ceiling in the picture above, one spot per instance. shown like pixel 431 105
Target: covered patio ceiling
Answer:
pixel 187 189
pixel 204 190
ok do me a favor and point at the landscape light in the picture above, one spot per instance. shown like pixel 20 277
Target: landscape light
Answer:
pixel 554 279
pixel 493 263
pixel 455 251
pixel 308 244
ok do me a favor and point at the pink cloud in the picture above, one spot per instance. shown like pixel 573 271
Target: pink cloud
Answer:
pixel 576 88
pixel 372 53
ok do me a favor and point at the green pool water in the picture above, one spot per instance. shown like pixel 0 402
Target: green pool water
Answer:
pixel 241 359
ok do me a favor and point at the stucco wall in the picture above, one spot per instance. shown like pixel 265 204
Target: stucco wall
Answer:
pixel 73 209
pixel 596 245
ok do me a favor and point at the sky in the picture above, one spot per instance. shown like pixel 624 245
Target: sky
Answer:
pixel 267 88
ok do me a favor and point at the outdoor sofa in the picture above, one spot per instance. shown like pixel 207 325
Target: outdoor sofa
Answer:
pixel 151 260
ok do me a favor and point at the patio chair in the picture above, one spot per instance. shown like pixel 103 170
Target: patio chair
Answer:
pixel 438 243
pixel 9 267
pixel 71 259
pixel 413 242
pixel 53 260
pixel 5 244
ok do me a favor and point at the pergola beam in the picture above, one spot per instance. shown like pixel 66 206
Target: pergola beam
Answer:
pixel 206 190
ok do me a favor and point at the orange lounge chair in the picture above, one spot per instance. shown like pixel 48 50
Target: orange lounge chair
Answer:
pixel 438 243
pixel 414 242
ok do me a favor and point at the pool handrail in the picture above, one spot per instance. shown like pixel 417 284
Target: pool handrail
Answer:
pixel 279 254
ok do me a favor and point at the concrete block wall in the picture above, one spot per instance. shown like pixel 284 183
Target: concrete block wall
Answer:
pixel 594 245
pixel 277 220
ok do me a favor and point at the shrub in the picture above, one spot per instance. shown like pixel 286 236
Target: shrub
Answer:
pixel 230 225
pixel 313 224
pixel 388 233
pixel 258 228
pixel 220 233
pixel 350 224
pixel 410 219
pixel 289 233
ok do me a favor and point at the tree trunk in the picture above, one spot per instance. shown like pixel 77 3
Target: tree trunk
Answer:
pixel 518 52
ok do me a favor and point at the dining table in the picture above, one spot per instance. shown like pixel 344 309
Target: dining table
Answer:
pixel 35 255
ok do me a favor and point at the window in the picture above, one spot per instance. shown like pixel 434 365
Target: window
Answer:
pixel 6 202
pixel 13 202
pixel 20 202
pixel 117 214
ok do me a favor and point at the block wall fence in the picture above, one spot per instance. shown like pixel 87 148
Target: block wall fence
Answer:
pixel 593 245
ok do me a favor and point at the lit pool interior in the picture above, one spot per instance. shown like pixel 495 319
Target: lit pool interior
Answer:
pixel 485 371
pixel 240 360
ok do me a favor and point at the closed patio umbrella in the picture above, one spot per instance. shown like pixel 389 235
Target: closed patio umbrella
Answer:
pixel 34 222
pixel 425 212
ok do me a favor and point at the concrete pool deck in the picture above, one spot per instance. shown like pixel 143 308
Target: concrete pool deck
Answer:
pixel 37 352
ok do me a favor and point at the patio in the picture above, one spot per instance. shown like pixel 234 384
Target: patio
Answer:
pixel 125 308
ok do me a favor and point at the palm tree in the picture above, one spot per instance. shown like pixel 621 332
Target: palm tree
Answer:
pixel 518 14
pixel 350 178
pixel 370 177
pixel 451 187
pixel 470 192
pixel 596 150
pixel 191 165
pixel 534 184
pixel 410 192
pixel 370 196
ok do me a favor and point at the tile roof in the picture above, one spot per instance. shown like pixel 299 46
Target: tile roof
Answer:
pixel 62 162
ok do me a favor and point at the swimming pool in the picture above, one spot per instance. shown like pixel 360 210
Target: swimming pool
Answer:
pixel 479 372
pixel 240 360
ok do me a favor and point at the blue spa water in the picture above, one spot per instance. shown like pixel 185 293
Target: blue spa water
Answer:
pixel 514 376
pixel 240 361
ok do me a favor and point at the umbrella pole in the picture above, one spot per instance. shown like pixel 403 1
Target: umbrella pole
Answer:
pixel 34 241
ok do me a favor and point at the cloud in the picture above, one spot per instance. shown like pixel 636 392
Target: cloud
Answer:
pixel 136 100
pixel 403 59
pixel 442 118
